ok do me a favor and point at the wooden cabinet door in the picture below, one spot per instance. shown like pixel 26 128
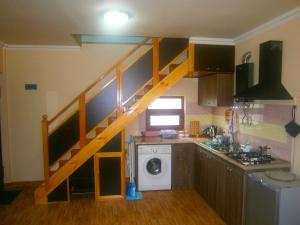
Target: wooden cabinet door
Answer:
pixel 206 176
pixel 200 172
pixel 234 196
pixel 221 189
pixel 221 185
pixel 216 90
pixel 207 90
pixel 225 89
pixel 183 166
pixel 214 58
pixel 229 193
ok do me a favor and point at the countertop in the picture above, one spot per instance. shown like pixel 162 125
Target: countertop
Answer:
pixel 276 164
pixel 157 140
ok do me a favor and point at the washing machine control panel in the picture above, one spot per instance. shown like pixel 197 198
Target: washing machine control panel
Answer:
pixel 154 149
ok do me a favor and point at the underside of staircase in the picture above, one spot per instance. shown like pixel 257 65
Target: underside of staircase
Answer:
pixel 116 121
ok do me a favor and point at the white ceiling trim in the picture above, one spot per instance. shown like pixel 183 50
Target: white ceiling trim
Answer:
pixel 211 41
pixel 43 47
pixel 284 18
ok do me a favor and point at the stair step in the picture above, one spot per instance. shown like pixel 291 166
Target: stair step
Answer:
pixel 74 151
pixel 51 172
pixel 88 140
pixel 172 67
pixel 162 76
pixel 99 130
pixel 148 88
pixel 111 119
pixel 62 162
pixel 137 97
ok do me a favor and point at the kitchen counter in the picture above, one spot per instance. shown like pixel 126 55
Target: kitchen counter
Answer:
pixel 157 140
pixel 277 164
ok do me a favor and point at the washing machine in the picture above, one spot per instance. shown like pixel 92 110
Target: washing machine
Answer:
pixel 154 167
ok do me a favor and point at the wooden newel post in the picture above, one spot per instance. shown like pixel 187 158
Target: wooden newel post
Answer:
pixel 119 90
pixel 155 60
pixel 45 149
pixel 82 121
pixel 191 56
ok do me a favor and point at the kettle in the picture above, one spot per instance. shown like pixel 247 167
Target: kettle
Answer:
pixel 211 131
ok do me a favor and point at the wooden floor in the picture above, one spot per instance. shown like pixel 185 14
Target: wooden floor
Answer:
pixel 157 208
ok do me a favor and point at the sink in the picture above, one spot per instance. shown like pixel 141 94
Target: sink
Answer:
pixel 217 146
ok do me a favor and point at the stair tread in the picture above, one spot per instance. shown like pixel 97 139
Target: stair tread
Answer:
pixel 88 140
pixel 99 130
pixel 172 67
pixel 147 88
pixel 111 119
pixel 62 162
pixel 138 96
pixel 51 172
pixel 74 151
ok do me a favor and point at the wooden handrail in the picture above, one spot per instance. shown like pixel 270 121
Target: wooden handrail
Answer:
pixel 45 149
pixel 101 77
pixel 63 110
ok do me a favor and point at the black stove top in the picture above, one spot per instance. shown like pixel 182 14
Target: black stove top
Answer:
pixel 250 158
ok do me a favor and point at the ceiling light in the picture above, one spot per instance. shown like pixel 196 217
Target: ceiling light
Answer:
pixel 115 17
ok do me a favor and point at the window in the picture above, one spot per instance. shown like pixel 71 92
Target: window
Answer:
pixel 165 113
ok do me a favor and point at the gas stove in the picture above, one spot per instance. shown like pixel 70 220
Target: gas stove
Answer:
pixel 250 158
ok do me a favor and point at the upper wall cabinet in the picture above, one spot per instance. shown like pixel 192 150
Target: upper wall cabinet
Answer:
pixel 217 58
pixel 215 89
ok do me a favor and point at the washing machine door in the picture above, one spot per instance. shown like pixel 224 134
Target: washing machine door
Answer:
pixel 153 166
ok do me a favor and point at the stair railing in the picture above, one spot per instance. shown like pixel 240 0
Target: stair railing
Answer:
pixel 81 101
pixel 81 98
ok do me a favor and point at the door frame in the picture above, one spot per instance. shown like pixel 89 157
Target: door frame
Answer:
pixel 4 128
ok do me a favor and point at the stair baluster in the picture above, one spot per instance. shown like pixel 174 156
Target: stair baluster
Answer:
pixel 191 55
pixel 155 61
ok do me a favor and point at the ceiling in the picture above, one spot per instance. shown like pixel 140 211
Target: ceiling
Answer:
pixel 55 22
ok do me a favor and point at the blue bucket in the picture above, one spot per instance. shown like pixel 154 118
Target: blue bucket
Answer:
pixel 131 190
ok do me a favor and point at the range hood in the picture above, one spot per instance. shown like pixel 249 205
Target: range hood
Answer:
pixel 269 86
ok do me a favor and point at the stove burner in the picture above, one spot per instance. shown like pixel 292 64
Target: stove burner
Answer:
pixel 250 158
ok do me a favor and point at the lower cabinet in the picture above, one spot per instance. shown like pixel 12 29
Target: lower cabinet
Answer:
pixel 221 185
pixel 183 166
pixel 205 176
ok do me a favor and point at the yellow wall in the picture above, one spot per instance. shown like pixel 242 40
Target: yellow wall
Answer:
pixel 289 33
pixel 60 76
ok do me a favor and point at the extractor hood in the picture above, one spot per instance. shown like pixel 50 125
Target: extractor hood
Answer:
pixel 269 86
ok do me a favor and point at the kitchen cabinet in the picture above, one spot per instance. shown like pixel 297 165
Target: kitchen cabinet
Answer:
pixel 221 185
pixel 230 193
pixel 183 166
pixel 215 89
pixel 205 176
pixel 218 58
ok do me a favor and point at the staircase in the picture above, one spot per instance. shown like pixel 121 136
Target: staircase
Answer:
pixel 90 125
